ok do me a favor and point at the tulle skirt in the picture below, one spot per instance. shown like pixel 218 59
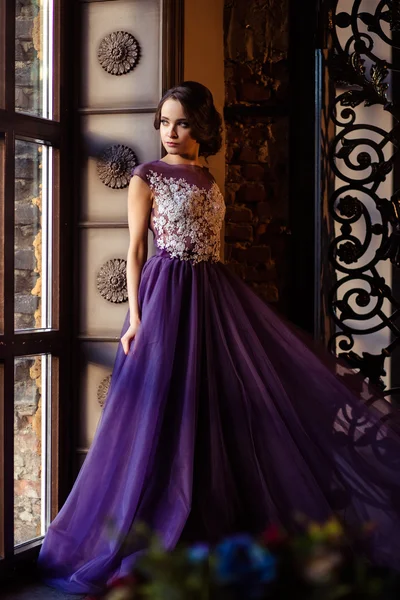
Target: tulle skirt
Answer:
pixel 223 418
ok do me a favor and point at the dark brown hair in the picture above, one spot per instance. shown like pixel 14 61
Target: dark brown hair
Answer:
pixel 204 120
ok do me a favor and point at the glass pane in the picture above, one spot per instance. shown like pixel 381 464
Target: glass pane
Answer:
pixel 33 235
pixel 34 57
pixel 31 414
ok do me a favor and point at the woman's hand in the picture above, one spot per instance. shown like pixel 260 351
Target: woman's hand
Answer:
pixel 130 334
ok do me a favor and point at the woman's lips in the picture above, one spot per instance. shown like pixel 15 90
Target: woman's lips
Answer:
pixel 172 144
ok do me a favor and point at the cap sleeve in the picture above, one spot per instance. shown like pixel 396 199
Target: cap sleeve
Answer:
pixel 142 171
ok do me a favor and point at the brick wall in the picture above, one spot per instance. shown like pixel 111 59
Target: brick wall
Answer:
pixel 256 119
pixel 27 389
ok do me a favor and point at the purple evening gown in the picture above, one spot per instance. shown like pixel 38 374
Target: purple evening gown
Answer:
pixel 221 418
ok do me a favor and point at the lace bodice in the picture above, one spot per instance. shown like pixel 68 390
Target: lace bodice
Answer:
pixel 188 210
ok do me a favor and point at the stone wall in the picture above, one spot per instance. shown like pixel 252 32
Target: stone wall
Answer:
pixel 256 78
pixel 27 235
pixel 27 451
pixel 27 389
pixel 27 56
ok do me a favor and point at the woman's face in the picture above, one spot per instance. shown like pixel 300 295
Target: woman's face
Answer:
pixel 175 130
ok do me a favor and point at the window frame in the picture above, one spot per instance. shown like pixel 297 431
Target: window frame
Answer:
pixel 57 342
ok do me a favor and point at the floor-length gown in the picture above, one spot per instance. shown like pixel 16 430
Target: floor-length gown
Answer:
pixel 220 418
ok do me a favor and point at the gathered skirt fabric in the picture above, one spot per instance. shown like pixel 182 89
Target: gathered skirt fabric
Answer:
pixel 222 418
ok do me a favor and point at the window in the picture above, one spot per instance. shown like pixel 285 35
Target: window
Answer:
pixel 35 272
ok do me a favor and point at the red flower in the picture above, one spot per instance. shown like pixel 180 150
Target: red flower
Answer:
pixel 273 536
pixel 126 581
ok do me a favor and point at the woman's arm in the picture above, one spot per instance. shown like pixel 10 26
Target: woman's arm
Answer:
pixel 139 207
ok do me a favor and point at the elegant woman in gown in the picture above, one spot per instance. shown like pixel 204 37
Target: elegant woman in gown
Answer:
pixel 220 417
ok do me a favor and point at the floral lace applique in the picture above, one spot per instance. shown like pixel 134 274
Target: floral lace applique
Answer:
pixel 187 219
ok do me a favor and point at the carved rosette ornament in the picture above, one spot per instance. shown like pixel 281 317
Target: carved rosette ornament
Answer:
pixel 102 390
pixel 119 53
pixel 114 166
pixel 111 281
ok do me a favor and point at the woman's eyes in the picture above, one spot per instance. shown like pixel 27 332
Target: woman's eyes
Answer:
pixel 183 124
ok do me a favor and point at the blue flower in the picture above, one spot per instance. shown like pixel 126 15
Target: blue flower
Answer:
pixel 198 553
pixel 241 562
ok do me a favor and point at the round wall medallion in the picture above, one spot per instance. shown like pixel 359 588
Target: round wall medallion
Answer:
pixel 102 390
pixel 119 53
pixel 111 281
pixel 114 166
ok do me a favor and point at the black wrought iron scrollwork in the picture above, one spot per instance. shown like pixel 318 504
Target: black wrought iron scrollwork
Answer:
pixel 362 155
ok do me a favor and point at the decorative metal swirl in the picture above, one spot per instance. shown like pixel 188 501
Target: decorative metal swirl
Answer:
pixel 102 390
pixel 111 281
pixel 114 166
pixel 362 154
pixel 119 53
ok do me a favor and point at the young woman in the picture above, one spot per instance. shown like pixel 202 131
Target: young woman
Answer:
pixel 219 417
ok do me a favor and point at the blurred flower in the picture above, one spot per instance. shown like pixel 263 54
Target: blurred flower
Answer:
pixel 330 530
pixel 320 569
pixel 122 593
pixel 121 588
pixel 128 580
pixel 198 553
pixel 240 559
pixel 273 536
pixel 333 529
pixel 313 563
